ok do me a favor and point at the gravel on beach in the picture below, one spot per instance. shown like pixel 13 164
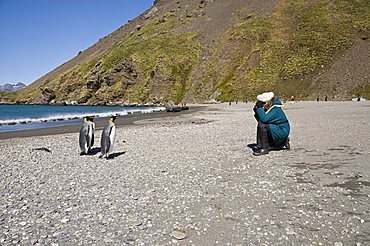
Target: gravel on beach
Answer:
pixel 192 180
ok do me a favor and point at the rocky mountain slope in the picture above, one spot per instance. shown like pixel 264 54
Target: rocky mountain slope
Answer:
pixel 12 87
pixel 198 50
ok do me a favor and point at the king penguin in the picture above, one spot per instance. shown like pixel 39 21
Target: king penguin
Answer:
pixel 87 135
pixel 107 137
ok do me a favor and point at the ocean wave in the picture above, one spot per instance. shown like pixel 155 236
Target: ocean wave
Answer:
pixel 72 116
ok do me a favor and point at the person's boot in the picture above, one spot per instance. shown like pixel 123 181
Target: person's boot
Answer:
pixel 261 152
pixel 287 144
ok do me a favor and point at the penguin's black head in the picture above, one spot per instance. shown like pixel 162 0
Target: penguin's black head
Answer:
pixel 113 118
pixel 89 118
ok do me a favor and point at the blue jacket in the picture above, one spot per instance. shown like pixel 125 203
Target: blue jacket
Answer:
pixel 274 117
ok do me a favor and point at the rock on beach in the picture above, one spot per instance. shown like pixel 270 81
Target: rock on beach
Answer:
pixel 194 175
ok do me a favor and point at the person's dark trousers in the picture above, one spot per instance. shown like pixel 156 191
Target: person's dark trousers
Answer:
pixel 264 137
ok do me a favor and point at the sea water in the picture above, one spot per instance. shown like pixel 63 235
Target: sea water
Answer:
pixel 22 117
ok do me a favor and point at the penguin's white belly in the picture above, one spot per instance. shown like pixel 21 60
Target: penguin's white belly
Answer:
pixel 112 137
pixel 85 148
pixel 90 136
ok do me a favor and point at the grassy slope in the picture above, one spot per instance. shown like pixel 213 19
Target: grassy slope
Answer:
pixel 150 51
pixel 302 37
pixel 148 48
pixel 282 53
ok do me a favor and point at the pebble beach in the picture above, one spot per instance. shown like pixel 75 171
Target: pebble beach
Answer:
pixel 191 179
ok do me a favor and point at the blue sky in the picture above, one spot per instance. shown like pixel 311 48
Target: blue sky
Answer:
pixel 38 35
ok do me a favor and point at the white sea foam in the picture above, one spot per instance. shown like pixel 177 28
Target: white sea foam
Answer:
pixel 61 117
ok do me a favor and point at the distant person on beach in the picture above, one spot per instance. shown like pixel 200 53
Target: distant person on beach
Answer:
pixel 326 98
pixel 273 126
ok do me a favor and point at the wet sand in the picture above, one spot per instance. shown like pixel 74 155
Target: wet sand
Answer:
pixel 192 180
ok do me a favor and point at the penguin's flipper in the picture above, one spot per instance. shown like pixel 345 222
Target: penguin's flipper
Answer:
pixel 82 138
pixel 103 147
pixel 107 141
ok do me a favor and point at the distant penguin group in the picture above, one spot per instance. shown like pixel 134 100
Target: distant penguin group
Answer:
pixel 87 132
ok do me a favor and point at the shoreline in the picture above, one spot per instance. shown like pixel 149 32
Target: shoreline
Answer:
pixel 126 120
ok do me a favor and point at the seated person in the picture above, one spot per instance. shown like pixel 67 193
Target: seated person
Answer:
pixel 273 126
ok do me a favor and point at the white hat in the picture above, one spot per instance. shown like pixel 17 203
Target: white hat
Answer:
pixel 266 96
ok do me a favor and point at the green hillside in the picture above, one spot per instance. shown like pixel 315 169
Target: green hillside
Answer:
pixel 168 58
